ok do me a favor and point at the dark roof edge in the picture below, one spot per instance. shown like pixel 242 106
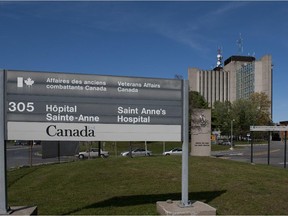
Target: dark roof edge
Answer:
pixel 239 58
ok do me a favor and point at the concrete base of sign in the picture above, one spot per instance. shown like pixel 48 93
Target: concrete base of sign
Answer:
pixel 170 207
pixel 23 210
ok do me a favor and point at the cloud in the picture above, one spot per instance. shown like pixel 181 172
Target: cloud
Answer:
pixel 186 35
pixel 229 7
pixel 195 29
pixel 189 26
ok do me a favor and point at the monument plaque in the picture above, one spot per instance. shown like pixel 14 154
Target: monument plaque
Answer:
pixel 201 132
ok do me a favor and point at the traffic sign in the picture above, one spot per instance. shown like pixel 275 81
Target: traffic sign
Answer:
pixel 268 128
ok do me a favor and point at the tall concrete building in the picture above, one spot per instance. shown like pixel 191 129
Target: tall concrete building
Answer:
pixel 238 78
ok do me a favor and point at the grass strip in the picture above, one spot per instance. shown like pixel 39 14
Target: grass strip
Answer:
pixel 132 186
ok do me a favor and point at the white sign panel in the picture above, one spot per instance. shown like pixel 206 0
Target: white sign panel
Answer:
pixel 92 132
pixel 57 106
pixel 268 128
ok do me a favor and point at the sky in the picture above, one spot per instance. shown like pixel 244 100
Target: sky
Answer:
pixel 158 39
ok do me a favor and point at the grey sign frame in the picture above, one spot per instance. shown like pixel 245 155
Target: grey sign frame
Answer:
pixel 3 174
pixel 263 128
pixel 119 101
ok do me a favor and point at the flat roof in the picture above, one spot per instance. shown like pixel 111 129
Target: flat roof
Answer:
pixel 239 58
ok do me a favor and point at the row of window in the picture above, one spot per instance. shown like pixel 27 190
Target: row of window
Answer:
pixel 214 85
pixel 245 79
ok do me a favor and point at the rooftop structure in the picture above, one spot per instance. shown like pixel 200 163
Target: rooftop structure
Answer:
pixel 238 78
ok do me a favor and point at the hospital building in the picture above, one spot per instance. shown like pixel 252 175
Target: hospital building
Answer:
pixel 237 78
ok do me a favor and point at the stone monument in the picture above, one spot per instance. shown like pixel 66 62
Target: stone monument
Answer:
pixel 201 132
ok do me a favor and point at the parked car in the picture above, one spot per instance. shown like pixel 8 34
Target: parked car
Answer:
pixel 137 152
pixel 226 142
pixel 174 151
pixel 27 142
pixel 93 153
pixel 21 142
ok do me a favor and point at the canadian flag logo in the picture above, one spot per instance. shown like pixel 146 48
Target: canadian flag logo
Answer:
pixel 20 82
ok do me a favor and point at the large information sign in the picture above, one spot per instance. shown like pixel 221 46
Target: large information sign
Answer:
pixel 269 128
pixel 81 107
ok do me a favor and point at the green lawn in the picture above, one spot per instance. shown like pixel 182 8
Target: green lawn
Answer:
pixel 132 186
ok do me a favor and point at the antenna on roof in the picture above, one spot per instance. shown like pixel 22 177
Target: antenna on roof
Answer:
pixel 240 44
pixel 219 58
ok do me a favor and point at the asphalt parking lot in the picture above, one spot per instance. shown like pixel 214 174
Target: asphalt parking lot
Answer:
pixel 261 154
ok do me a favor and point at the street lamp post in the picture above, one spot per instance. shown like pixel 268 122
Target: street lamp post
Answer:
pixel 231 148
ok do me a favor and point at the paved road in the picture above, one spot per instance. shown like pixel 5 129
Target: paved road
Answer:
pixel 260 154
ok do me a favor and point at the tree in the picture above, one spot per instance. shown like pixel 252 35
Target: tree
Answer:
pixel 196 101
pixel 221 116
pixel 251 111
pixel 243 112
pixel 261 106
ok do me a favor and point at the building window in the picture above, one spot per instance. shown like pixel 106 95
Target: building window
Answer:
pixel 245 79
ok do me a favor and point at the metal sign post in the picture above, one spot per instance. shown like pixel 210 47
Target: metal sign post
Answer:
pixel 3 178
pixel 268 160
pixel 285 149
pixel 185 145
pixel 270 128
pixel 251 148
